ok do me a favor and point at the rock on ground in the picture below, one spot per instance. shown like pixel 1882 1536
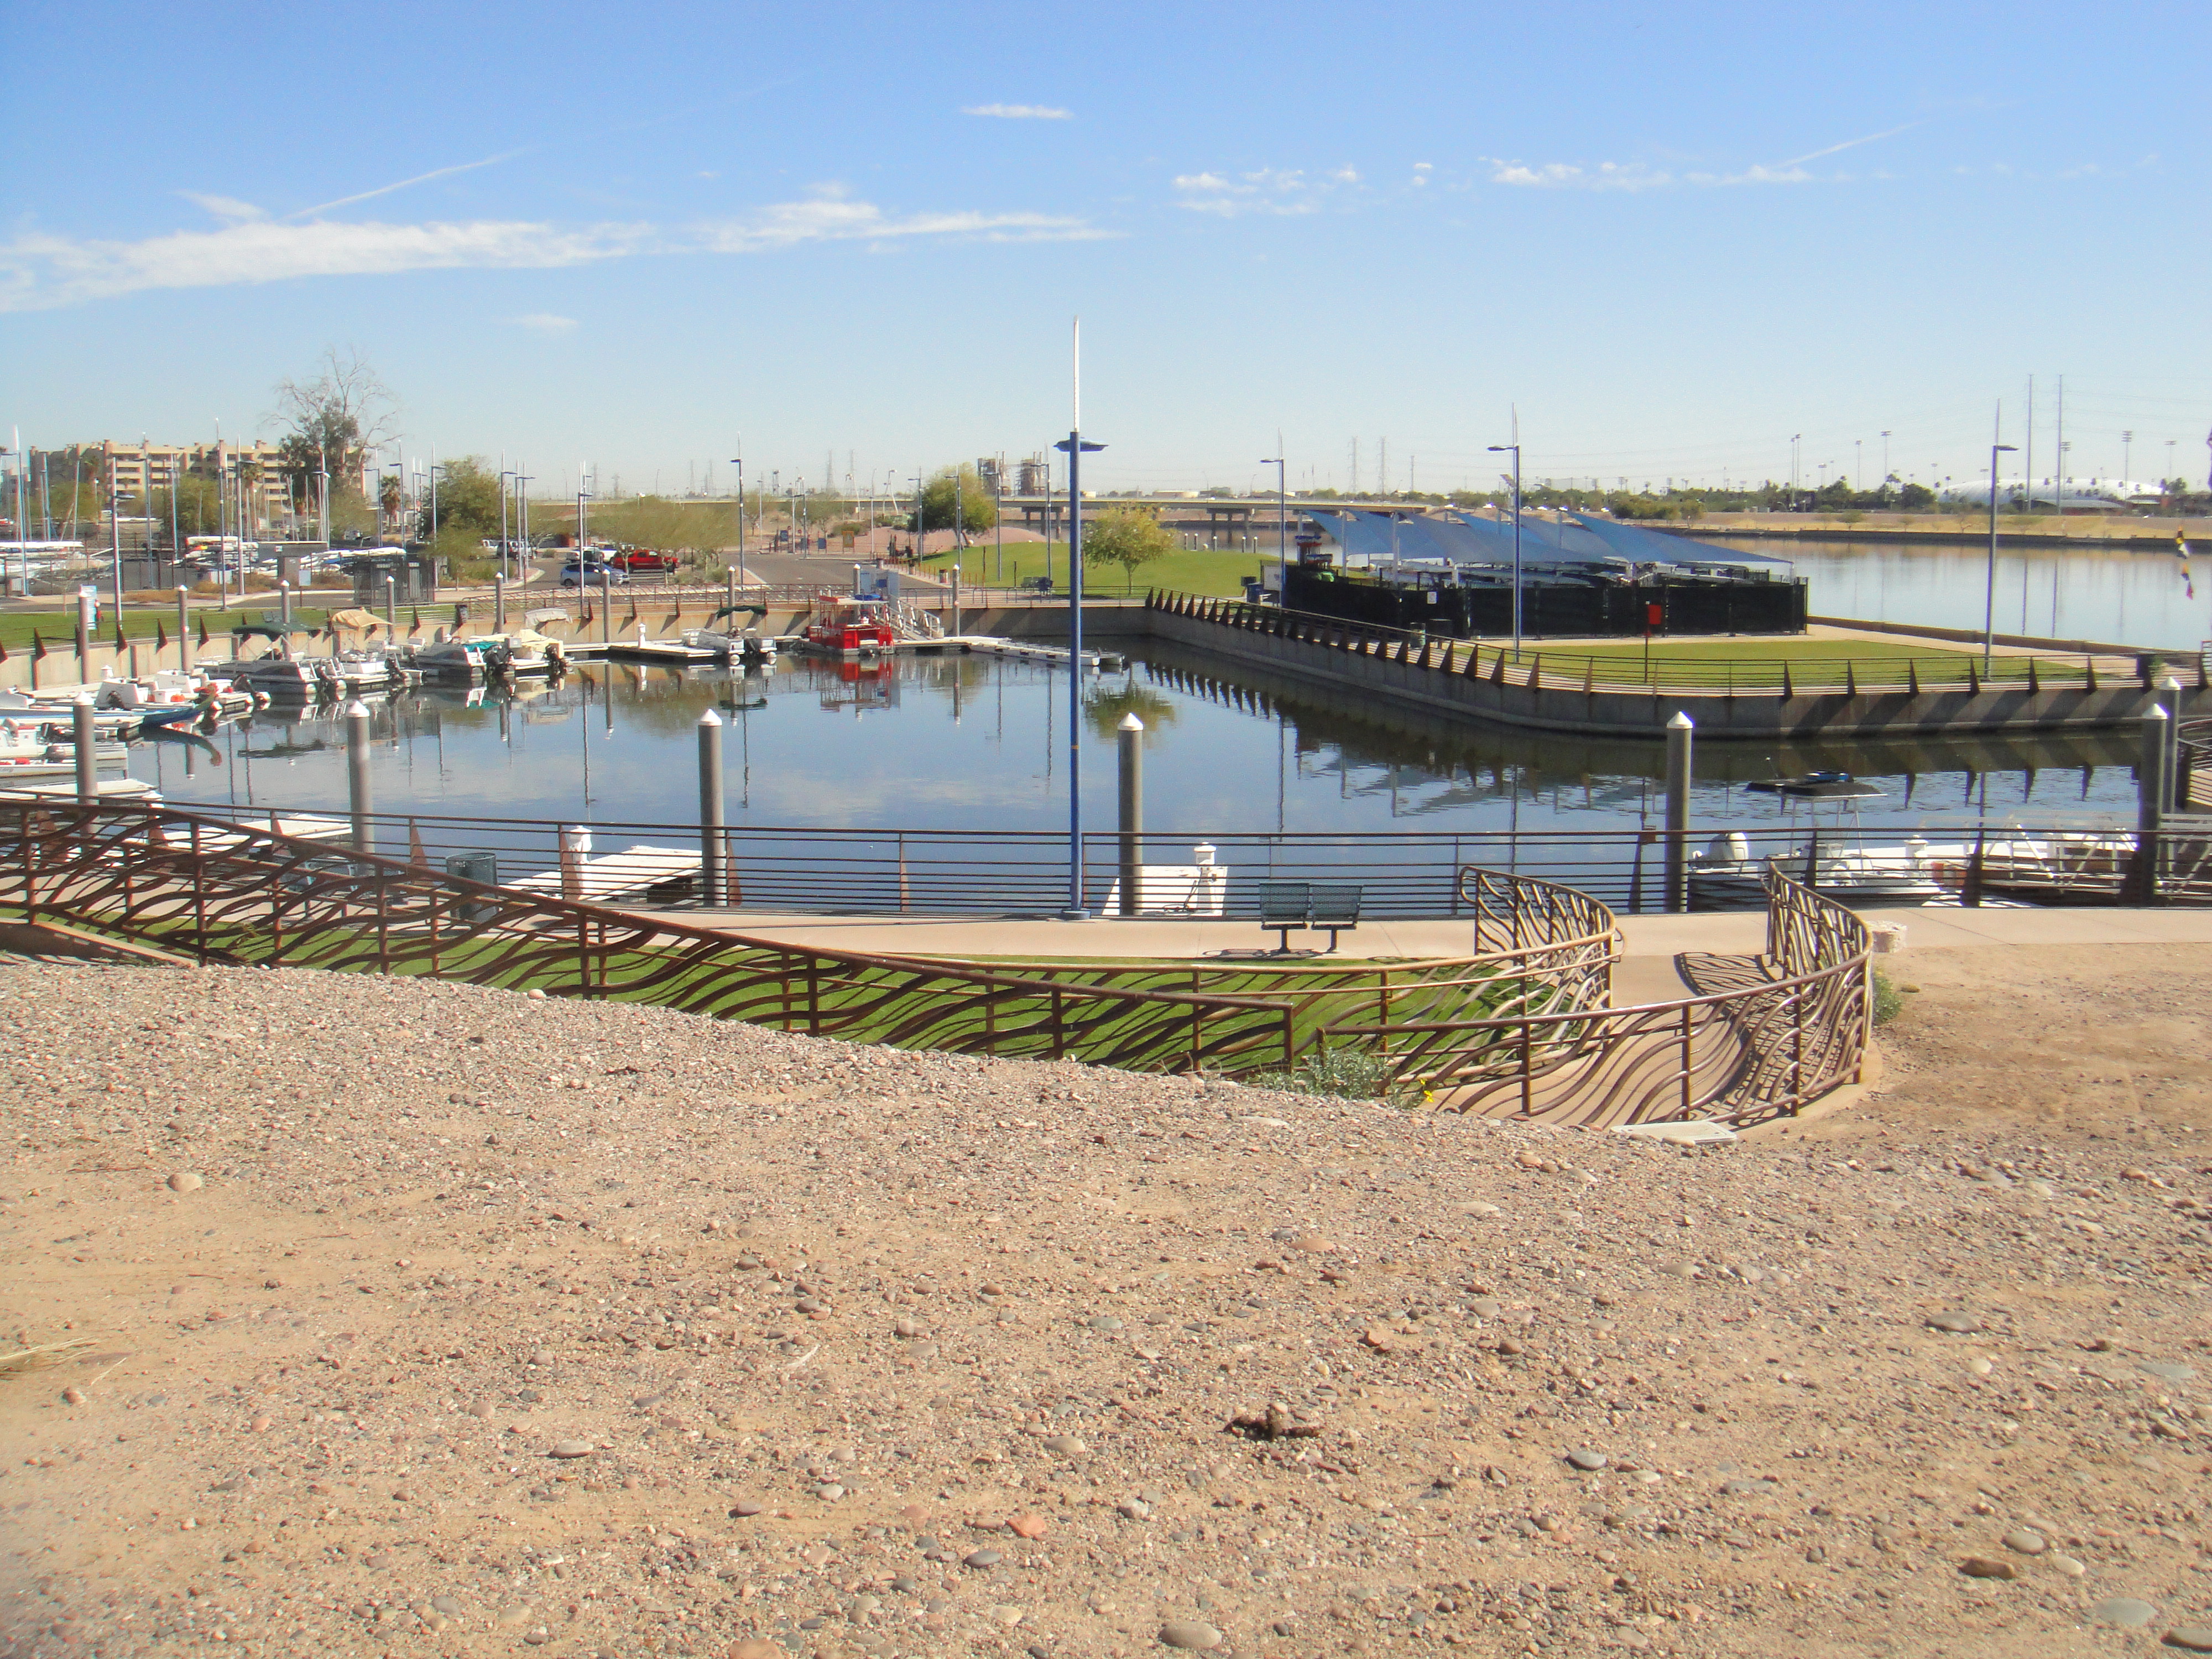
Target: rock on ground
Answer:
pixel 498 1325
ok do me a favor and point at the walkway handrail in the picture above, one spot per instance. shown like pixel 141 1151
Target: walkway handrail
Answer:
pixel 1764 1050
pixel 220 891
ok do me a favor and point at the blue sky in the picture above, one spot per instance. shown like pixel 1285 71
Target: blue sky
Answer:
pixel 1672 236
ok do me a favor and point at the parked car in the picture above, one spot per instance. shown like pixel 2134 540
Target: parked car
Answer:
pixel 645 561
pixel 591 573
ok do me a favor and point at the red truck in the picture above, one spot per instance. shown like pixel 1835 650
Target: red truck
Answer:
pixel 643 560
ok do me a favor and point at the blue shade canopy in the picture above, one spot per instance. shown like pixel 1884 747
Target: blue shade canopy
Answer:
pixel 1464 537
pixel 1630 541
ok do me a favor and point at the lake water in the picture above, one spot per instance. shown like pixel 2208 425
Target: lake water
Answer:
pixel 979 743
pixel 2056 592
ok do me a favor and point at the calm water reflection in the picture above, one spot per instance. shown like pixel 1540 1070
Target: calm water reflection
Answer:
pixel 2106 595
pixel 980 743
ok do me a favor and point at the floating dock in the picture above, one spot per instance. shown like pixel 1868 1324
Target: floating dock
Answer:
pixel 633 870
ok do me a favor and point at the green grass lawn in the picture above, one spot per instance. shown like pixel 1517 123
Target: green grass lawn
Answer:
pixel 1214 575
pixel 58 627
pixel 1752 663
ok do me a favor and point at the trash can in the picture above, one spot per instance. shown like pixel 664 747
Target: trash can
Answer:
pixel 483 867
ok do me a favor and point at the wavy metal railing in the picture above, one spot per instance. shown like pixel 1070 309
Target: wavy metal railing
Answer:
pixel 224 891
pixel 1762 1051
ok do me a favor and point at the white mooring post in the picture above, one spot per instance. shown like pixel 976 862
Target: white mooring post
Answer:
pixel 88 752
pixel 1131 733
pixel 357 792
pixel 2152 793
pixel 1681 733
pixel 712 859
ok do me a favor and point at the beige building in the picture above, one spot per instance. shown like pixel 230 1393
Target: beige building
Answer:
pixel 134 469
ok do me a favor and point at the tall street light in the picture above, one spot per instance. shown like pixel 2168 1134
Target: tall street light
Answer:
pixel 738 462
pixel 1075 449
pixel 1282 525
pixel 1990 600
pixel 1515 450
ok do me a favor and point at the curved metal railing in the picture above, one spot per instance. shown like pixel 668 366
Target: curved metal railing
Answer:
pixel 1766 1049
pixel 220 891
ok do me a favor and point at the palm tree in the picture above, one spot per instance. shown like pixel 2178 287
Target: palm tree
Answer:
pixel 388 498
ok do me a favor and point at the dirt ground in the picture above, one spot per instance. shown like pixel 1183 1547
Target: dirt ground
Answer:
pixel 422 1320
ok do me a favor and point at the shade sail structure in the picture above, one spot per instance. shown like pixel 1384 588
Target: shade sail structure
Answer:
pixel 1630 541
pixel 1463 538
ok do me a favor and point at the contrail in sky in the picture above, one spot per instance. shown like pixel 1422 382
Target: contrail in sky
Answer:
pixel 1850 144
pixel 419 179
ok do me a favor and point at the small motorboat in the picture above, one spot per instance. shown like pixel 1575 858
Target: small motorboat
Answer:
pixel 1725 875
pixel 45 745
pixel 484 657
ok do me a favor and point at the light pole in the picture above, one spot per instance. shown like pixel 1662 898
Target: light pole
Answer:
pixel 1884 460
pixel 738 462
pixel 1514 449
pixel 1282 524
pixel 1794 437
pixel 1990 600
pixel 506 536
pixel 23 536
pixel 1076 448
pixel 2127 452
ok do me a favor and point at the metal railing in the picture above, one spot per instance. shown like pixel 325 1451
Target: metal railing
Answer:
pixel 1794 1028
pixel 1411 873
pixel 1523 1030
pixel 215 890
pixel 1628 669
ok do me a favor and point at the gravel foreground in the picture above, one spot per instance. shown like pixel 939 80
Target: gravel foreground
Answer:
pixel 422 1320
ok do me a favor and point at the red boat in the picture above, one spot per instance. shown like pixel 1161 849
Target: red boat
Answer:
pixel 844 626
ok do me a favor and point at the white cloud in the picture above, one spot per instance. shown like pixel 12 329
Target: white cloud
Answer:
pixel 226 208
pixel 1285 191
pixel 833 219
pixel 1636 175
pixel 544 322
pixel 1018 111
pixel 1633 176
pixel 39 270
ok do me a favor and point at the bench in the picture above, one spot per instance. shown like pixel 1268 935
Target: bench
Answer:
pixel 1330 907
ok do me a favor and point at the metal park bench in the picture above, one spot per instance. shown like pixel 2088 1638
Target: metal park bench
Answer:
pixel 1330 907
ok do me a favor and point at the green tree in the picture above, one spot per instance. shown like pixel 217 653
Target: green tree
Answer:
pixel 197 507
pixel 1130 536
pixel 978 512
pixel 333 421
pixel 468 496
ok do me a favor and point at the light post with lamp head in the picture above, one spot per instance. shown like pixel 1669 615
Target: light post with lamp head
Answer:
pixel 738 462
pixel 1282 525
pixel 1075 447
pixel 1514 449
pixel 1990 600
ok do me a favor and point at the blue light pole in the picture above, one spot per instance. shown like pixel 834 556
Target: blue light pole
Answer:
pixel 1075 449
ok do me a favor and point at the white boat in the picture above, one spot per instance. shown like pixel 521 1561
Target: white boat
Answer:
pixel 301 679
pixel 43 745
pixel 523 652
pixel 1727 876
pixel 749 647
pixel 166 691
pixel 108 725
